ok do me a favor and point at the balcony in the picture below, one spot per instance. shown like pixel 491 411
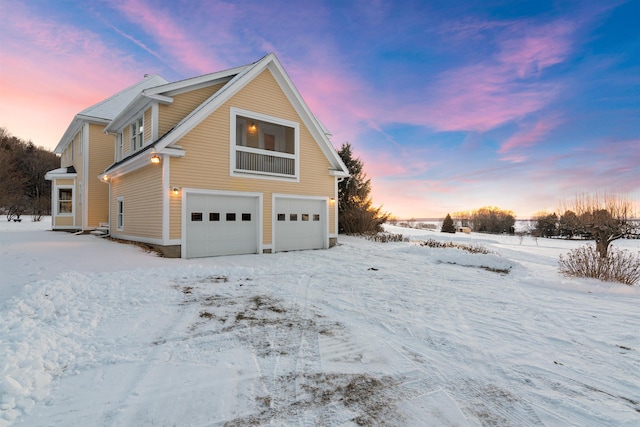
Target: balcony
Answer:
pixel 251 160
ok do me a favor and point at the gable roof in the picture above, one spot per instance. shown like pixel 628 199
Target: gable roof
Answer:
pixel 240 77
pixel 106 110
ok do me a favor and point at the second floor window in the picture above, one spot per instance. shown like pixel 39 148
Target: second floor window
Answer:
pixel 137 132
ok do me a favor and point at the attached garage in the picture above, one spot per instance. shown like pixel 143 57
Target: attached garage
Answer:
pixel 300 223
pixel 220 224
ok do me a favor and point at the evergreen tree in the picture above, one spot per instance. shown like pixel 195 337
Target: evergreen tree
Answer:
pixel 356 213
pixel 447 225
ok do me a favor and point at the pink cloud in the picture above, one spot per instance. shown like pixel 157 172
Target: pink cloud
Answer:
pixel 504 87
pixel 62 72
pixel 530 135
pixel 171 36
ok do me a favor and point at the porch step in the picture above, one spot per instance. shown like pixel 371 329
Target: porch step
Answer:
pixel 102 230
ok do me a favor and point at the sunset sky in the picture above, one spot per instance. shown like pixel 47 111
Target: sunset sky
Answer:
pixel 451 105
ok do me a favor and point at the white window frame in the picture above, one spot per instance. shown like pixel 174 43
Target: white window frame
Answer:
pixel 276 121
pixel 71 201
pixel 136 129
pixel 120 213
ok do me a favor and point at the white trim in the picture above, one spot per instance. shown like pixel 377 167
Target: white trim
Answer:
pixel 194 82
pixel 336 231
pixel 155 114
pixel 183 227
pixel 74 196
pixel 119 226
pixel 234 112
pixel 85 176
pixel 325 225
pixel 166 197
pixel 139 161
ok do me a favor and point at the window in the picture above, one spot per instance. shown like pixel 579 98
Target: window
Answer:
pixel 196 216
pixel 305 217
pixel 264 145
pixel 282 217
pixel 246 217
pixel 293 217
pixel 316 217
pixel 231 217
pixel 120 213
pixel 137 132
pixel 214 216
pixel 65 201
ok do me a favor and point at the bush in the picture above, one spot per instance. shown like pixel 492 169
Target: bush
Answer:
pixel 474 249
pixel 386 237
pixel 620 266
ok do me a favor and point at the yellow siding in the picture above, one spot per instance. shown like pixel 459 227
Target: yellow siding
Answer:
pixel 183 104
pixel 207 160
pixel 147 125
pixel 64 181
pixel 101 155
pixel 126 140
pixel 142 192
pixel 64 221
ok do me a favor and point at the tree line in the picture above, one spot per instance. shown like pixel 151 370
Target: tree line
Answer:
pixel 602 218
pixel 23 188
pixel 488 219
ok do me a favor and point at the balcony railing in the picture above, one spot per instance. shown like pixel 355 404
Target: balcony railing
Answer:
pixel 282 164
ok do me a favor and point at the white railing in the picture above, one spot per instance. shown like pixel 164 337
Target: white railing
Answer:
pixel 252 161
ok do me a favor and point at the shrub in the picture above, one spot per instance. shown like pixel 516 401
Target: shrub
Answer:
pixel 619 265
pixel 386 237
pixel 474 249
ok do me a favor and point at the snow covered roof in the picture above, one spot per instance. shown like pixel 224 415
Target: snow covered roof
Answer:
pixel 239 77
pixel 106 110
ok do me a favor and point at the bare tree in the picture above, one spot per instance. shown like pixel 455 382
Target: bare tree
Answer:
pixel 604 218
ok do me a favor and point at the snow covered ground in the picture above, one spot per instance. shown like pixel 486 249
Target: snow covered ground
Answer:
pixel 94 332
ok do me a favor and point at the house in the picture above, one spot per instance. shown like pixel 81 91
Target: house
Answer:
pixel 231 162
pixel 79 200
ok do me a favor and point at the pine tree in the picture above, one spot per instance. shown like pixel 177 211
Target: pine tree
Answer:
pixel 356 213
pixel 447 225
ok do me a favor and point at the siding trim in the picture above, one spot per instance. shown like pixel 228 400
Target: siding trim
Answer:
pixel 85 176
pixel 166 207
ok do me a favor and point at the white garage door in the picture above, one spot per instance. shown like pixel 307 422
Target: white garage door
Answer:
pixel 299 224
pixel 221 225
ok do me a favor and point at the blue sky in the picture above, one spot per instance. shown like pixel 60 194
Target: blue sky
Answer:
pixel 451 105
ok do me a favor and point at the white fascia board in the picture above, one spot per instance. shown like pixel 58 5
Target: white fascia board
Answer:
pixel 338 173
pixel 160 98
pixel 68 135
pixel 50 176
pixel 137 162
pixel 91 119
pixel 134 109
pixel 195 82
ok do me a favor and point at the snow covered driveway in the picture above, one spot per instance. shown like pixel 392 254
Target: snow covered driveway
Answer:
pixel 361 334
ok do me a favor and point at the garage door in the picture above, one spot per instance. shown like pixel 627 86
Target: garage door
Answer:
pixel 299 224
pixel 221 225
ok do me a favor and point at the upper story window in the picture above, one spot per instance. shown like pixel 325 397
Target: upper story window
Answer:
pixel 264 145
pixel 137 134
